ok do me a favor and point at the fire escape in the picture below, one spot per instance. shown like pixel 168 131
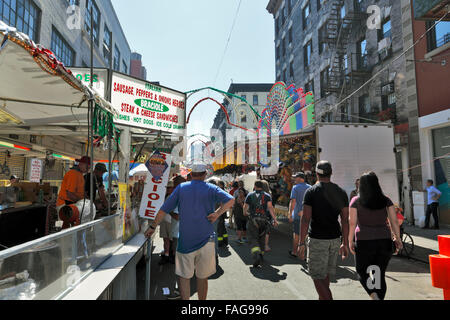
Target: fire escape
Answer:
pixel 346 69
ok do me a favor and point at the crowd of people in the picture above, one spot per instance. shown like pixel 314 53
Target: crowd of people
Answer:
pixel 326 224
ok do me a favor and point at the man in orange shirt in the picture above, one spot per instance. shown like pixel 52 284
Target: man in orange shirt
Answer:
pixel 72 187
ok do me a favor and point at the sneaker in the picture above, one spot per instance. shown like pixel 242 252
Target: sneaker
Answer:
pixel 245 240
pixel 292 255
pixel 175 295
pixel 240 241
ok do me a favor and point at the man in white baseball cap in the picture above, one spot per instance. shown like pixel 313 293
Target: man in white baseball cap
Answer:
pixel 196 201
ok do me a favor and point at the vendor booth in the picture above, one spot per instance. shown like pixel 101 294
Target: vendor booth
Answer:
pixel 49 117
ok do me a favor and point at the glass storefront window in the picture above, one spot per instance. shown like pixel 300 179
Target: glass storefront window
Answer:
pixel 441 144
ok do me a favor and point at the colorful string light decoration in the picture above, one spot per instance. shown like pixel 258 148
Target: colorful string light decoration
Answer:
pixel 289 110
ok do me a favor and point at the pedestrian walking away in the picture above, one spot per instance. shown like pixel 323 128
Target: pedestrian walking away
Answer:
pixel 323 204
pixel 238 213
pixel 266 189
pixel 369 214
pixel 196 201
pixel 222 232
pixel 433 204
pixel 296 208
pixel 256 206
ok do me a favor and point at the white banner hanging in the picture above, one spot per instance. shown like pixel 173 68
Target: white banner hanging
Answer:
pixel 154 193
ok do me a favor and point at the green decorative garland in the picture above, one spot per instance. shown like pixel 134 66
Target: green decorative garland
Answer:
pixel 103 124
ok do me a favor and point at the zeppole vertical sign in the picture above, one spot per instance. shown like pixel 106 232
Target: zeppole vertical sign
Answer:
pixel 146 106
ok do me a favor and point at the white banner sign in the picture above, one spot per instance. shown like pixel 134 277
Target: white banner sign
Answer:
pixel 147 106
pixel 154 193
pixel 99 79
pixel 35 170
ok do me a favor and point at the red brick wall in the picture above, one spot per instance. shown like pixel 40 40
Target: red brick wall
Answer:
pixel 433 79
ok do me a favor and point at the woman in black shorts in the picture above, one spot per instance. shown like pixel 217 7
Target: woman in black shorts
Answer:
pixel 238 214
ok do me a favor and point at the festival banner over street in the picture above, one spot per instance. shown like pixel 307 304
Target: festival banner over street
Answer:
pixel 147 106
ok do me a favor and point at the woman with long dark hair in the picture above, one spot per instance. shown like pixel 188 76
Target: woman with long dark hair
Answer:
pixel 369 216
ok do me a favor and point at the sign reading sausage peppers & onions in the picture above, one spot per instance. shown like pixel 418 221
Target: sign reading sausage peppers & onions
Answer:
pixel 147 106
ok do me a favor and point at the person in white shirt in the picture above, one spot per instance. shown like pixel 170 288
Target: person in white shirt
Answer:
pixel 433 203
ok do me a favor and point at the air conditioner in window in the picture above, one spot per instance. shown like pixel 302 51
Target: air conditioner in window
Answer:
pixel 387 89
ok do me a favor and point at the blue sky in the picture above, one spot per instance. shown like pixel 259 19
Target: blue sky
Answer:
pixel 182 43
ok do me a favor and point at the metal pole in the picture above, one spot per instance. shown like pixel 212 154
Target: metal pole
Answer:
pixel 148 262
pixel 91 110
pixel 110 169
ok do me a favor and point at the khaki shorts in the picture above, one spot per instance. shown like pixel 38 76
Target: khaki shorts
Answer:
pixel 322 257
pixel 165 230
pixel 202 262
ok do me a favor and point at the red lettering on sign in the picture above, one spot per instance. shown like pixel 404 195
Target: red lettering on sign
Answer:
pixel 150 213
pixel 154 196
pixel 150 205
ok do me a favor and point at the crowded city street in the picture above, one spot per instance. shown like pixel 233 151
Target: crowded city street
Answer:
pixel 235 153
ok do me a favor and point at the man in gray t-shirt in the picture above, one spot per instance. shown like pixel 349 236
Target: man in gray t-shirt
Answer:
pixel 296 208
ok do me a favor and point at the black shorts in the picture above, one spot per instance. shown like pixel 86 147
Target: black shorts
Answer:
pixel 241 224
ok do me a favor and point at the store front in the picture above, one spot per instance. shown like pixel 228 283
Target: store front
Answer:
pixel 435 154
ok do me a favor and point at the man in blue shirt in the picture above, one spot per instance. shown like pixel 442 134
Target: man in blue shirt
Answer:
pixel 296 208
pixel 433 203
pixel 196 201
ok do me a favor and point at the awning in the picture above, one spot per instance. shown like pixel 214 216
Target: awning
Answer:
pixel 36 89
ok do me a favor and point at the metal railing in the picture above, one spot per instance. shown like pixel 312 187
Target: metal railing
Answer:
pixel 50 267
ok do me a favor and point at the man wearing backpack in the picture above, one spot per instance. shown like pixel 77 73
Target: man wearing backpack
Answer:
pixel 256 206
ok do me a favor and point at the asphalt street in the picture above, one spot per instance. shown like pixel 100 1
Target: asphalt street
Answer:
pixel 286 278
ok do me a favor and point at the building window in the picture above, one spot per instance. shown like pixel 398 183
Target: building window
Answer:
pixel 277 25
pixel 283 47
pixel 244 97
pixel 305 13
pixel 290 35
pixel 92 7
pixel 364 105
pixel 358 5
pixel 62 49
pixel 319 4
pixel 345 116
pixel 309 87
pixel 343 12
pixel 289 6
pixel 362 54
pixel 345 63
pixel 73 2
pixel 124 67
pixel 307 52
pixel 324 76
pixel 385 31
pixel 291 69
pixel 255 100
pixel 107 45
pixel 23 15
pixel 322 36
pixel 439 35
pixel 116 65
pixel 277 52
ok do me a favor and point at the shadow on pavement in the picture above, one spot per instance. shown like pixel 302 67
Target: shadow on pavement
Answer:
pixel 267 272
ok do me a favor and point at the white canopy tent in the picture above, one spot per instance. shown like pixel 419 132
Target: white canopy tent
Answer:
pixel 37 94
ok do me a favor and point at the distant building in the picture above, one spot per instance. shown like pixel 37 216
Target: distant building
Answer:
pixel 137 69
pixel 240 112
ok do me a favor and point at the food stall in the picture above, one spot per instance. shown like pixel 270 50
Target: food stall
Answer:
pixel 42 99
